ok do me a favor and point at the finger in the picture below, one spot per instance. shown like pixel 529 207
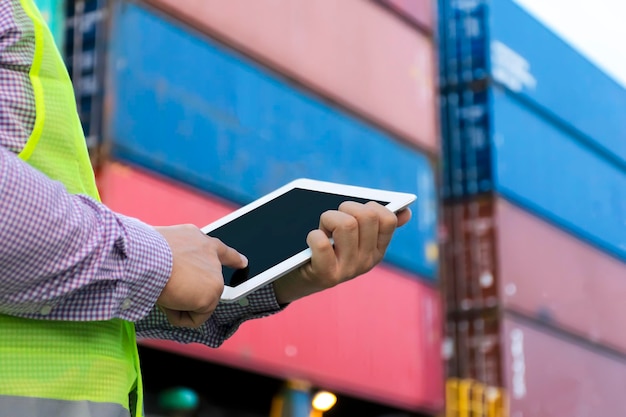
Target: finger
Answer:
pixel 323 258
pixel 367 217
pixel 229 256
pixel 344 230
pixel 404 216
pixel 387 223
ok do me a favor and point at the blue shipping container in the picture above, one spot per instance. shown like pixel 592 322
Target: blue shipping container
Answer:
pixel 186 107
pixel 85 49
pixel 508 148
pixel 500 40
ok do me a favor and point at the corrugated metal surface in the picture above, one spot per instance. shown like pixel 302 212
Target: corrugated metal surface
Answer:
pixel 498 143
pixel 419 11
pixel 53 12
pixel 136 192
pixel 471 273
pixel 534 174
pixel 351 51
pixel 545 373
pixel 385 350
pixel 85 51
pixel 347 345
pixel 198 113
pixel 501 256
pixel 549 376
pixel 476 349
pixel 499 39
pixel 555 277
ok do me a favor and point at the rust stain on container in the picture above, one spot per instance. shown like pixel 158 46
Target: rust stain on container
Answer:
pixel 477 352
pixel 470 251
pixel 500 256
pixel 351 51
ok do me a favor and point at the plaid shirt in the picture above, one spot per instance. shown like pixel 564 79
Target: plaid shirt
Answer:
pixel 68 257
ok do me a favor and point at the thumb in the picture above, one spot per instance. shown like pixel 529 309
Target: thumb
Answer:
pixel 404 216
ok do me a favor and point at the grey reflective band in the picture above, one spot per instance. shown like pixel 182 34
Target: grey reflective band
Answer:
pixel 11 406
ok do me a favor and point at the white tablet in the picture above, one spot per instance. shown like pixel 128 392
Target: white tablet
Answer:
pixel 271 231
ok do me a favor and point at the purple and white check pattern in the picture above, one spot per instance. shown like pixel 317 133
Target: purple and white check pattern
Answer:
pixel 68 257
pixel 17 46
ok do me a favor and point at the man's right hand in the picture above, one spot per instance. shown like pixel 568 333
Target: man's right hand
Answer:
pixel 196 283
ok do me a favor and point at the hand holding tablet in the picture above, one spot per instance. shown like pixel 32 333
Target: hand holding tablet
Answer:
pixel 361 233
pixel 302 238
pixel 273 231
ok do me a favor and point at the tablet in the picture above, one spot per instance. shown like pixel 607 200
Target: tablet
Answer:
pixel 271 231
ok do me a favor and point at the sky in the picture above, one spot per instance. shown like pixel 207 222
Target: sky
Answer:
pixel 597 28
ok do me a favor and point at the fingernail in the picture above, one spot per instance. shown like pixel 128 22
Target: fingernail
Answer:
pixel 244 259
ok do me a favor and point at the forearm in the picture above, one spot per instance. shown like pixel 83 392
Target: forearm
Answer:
pixel 69 257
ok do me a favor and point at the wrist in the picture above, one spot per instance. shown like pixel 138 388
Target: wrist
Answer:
pixel 292 287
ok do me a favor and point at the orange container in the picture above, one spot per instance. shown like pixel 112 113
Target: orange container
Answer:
pixel 352 51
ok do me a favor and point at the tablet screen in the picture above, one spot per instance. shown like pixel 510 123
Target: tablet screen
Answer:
pixel 276 230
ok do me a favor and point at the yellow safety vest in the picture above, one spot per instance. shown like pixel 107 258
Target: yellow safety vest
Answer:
pixel 54 367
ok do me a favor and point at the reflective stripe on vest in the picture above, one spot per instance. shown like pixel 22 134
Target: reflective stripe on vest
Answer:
pixel 43 407
pixel 89 368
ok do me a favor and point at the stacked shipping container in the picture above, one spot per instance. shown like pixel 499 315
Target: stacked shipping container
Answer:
pixel 341 91
pixel 534 150
pixel 84 52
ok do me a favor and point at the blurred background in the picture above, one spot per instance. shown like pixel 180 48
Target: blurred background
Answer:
pixel 504 295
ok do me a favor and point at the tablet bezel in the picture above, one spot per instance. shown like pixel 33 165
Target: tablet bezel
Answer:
pixel 397 201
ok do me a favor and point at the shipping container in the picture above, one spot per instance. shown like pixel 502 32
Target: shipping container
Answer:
pixel 420 12
pixel 498 144
pixel 544 373
pixel 236 131
pixel 351 51
pixel 499 256
pixel 552 376
pixel 85 52
pixel 135 192
pixel 390 353
pixel 474 348
pixel 53 13
pixel 499 41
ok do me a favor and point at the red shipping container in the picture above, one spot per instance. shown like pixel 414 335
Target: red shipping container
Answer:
pixel 544 373
pixel 351 51
pixel 418 11
pixel 499 255
pixel 551 376
pixel 376 337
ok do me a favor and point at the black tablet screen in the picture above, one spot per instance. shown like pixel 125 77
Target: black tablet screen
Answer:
pixel 277 230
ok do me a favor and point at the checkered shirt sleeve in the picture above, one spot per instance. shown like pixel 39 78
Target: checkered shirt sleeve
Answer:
pixel 68 257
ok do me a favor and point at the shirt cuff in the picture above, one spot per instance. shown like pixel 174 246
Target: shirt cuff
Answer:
pixel 223 323
pixel 261 303
pixel 147 267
